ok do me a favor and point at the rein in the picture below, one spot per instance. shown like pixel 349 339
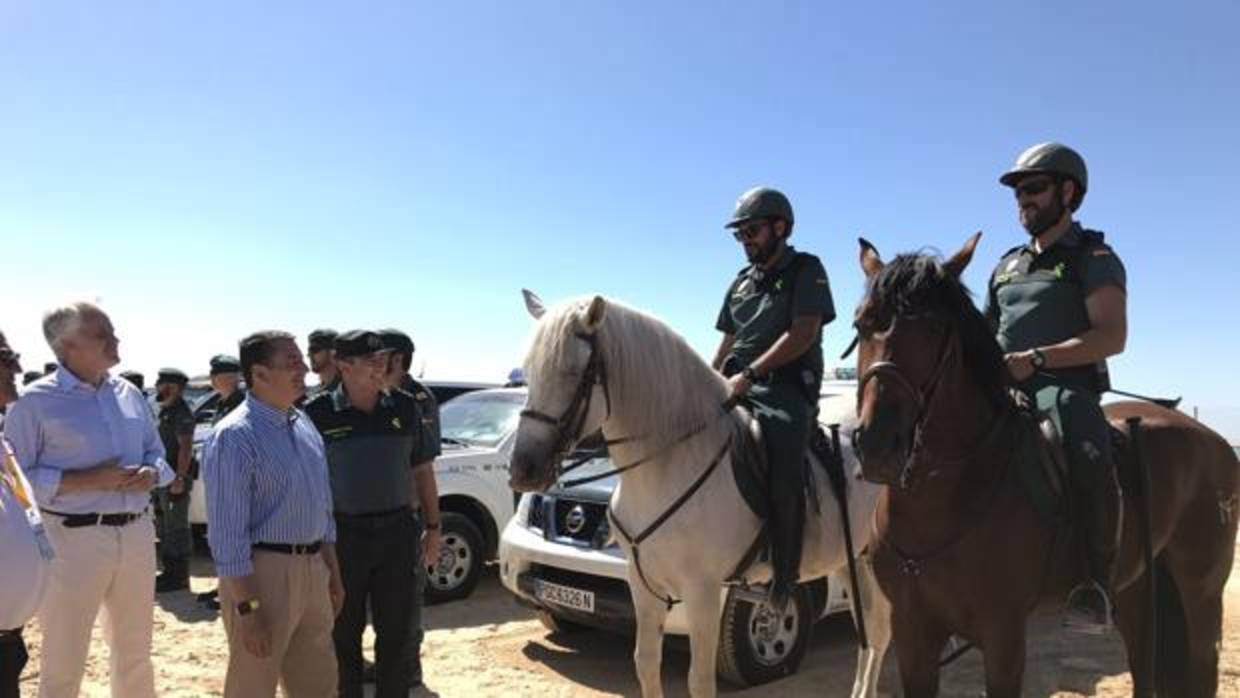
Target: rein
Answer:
pixel 923 398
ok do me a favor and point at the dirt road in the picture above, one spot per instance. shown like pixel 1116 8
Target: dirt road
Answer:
pixel 489 646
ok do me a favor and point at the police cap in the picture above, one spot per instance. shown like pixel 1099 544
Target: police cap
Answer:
pixel 396 341
pixel 358 343
pixel 223 363
pixel 322 339
pixel 172 375
pixel 135 378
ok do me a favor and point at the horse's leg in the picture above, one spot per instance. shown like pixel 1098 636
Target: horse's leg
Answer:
pixel 919 644
pixel 1003 653
pixel 876 610
pixel 1131 616
pixel 702 604
pixel 1199 578
pixel 648 655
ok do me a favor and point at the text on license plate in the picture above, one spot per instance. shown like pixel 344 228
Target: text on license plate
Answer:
pixel 566 596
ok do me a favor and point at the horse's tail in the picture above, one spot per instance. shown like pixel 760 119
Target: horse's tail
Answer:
pixel 1171 644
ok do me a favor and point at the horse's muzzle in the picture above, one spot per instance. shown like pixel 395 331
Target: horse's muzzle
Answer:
pixel 882 459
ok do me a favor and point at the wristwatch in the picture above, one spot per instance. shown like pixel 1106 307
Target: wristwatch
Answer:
pixel 1038 360
pixel 750 374
pixel 245 608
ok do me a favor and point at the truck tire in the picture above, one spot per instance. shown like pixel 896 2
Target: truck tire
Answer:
pixel 755 646
pixel 456 572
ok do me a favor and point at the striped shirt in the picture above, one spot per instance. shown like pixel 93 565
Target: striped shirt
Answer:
pixel 61 424
pixel 266 480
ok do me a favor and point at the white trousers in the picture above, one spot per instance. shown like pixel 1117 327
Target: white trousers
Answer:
pixel 98 568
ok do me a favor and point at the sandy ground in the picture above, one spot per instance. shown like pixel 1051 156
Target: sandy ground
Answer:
pixel 489 646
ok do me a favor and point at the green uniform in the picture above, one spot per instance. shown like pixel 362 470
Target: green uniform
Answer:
pixel 228 404
pixel 758 309
pixel 175 420
pixel 1037 300
pixel 371 458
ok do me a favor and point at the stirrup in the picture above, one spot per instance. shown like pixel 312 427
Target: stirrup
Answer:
pixel 1082 616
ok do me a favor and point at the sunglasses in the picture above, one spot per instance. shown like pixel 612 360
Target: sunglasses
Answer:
pixel 749 232
pixel 1032 188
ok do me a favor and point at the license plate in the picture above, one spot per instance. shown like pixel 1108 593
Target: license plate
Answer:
pixel 578 599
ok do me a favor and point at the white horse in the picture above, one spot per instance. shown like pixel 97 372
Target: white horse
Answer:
pixel 596 363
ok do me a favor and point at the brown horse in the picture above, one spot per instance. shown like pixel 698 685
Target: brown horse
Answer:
pixel 961 548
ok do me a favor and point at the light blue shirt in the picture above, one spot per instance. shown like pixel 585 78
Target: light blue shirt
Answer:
pixel 61 424
pixel 266 477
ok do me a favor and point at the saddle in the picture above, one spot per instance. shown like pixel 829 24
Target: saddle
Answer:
pixel 750 470
pixel 1044 470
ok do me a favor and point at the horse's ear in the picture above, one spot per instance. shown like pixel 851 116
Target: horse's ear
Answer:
pixel 533 303
pixel 594 314
pixel 956 265
pixel 871 263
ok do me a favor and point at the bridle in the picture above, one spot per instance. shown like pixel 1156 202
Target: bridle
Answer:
pixel 571 422
pixel 923 398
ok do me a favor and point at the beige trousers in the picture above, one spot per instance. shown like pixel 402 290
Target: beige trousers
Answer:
pixel 108 568
pixel 294 603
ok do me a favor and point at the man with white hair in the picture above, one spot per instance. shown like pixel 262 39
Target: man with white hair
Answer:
pixel 88 444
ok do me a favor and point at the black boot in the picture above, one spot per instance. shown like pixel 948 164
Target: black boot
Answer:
pixel 1089 608
pixel 787 528
pixel 175 576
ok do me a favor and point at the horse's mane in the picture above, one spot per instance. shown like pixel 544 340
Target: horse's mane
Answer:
pixel 917 283
pixel 662 385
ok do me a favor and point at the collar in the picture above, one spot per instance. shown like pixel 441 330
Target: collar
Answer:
pixel 757 273
pixel 68 381
pixel 1072 237
pixel 269 413
pixel 340 398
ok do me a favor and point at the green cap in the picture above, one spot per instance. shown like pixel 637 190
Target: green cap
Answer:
pixel 223 363
pixel 1053 159
pixel 761 202
pixel 172 375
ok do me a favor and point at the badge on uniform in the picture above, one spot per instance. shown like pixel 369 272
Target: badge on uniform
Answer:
pixel 396 422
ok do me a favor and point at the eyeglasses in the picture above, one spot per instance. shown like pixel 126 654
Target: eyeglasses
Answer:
pixel 1032 187
pixel 750 231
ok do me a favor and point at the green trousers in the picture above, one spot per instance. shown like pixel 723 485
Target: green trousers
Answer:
pixel 175 540
pixel 1077 413
pixel 785 416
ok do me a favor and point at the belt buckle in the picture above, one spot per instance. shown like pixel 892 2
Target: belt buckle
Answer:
pixel 301 548
pixel 98 519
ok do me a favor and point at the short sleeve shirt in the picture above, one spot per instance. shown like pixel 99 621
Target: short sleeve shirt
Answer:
pixel 370 457
pixel 1039 299
pixel 760 306
pixel 430 445
pixel 175 420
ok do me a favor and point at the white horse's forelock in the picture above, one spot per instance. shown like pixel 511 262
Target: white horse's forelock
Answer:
pixel 659 385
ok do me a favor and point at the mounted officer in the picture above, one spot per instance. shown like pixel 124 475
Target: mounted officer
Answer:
pixel 771 352
pixel 1058 306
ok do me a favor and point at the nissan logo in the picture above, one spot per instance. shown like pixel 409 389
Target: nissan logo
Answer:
pixel 575 520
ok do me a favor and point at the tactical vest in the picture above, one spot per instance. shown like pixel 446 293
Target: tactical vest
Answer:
pixel 1061 264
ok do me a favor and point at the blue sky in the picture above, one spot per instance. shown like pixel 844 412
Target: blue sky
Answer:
pixel 207 169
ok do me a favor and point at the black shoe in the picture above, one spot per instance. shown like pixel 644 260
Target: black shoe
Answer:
pixel 1088 610
pixel 175 576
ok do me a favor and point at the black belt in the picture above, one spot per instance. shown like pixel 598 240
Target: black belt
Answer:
pixel 375 519
pixel 14 634
pixel 93 519
pixel 291 548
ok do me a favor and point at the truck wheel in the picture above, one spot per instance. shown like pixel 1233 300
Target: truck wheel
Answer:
pixel 757 646
pixel 456 573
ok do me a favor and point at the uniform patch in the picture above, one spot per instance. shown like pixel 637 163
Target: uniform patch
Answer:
pixel 396 422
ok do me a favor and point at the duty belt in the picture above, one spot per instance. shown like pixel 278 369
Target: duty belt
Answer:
pixel 377 519
pixel 93 519
pixel 290 548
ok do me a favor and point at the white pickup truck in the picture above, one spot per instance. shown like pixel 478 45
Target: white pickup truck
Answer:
pixel 478 427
